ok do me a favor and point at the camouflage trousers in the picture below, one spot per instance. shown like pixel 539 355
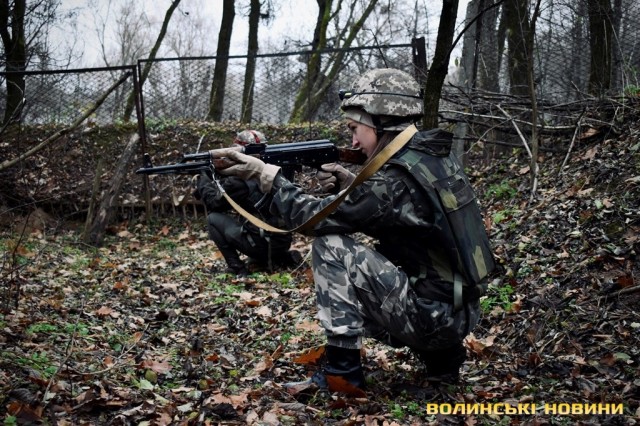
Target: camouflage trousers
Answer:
pixel 362 294
pixel 232 238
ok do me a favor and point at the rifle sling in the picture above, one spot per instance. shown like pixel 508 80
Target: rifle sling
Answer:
pixel 368 170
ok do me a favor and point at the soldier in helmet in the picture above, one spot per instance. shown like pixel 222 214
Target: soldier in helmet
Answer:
pixel 419 286
pixel 233 236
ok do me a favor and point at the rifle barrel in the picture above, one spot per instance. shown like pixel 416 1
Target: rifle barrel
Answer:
pixel 178 168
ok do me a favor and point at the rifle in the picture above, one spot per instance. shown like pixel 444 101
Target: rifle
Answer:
pixel 290 156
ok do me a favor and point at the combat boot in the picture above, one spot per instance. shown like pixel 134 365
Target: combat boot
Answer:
pixel 235 266
pixel 340 371
pixel 443 366
pixel 289 259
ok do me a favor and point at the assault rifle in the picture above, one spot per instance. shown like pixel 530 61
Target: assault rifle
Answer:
pixel 290 156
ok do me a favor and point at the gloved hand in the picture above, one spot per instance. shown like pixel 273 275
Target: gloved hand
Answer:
pixel 247 167
pixel 201 183
pixel 203 180
pixel 333 174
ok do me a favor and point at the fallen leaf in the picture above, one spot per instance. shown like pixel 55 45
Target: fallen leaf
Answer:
pixel 104 311
pixel 590 154
pixel 308 325
pixel 145 384
pixel 212 358
pixel 609 359
pixel 25 413
pixel 340 384
pixel 479 345
pixel 311 357
pixel 265 311
pixel 160 367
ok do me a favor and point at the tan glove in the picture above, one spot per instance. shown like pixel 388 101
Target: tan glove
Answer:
pixel 332 174
pixel 247 167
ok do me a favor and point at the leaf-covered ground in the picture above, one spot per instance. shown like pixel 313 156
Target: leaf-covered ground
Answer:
pixel 141 332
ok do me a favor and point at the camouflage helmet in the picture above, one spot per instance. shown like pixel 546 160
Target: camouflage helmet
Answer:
pixel 385 92
pixel 247 137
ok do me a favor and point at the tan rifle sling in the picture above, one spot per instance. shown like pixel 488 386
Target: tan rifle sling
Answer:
pixel 367 171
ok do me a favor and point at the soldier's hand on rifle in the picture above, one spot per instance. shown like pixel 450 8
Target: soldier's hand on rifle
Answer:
pixel 196 190
pixel 203 181
pixel 247 167
pixel 333 174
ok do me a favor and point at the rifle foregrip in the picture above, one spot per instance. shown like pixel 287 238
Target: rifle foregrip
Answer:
pixel 222 163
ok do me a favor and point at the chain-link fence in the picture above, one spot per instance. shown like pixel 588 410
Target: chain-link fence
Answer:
pixel 179 88
pixel 564 58
pixel 563 44
pixel 63 96
pixel 489 90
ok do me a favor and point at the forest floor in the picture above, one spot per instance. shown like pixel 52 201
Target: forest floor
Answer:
pixel 140 332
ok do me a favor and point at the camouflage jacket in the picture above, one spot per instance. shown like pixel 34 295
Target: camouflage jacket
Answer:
pixel 403 209
pixel 246 194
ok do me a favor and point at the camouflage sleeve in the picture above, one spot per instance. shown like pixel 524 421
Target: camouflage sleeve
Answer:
pixel 383 200
pixel 235 187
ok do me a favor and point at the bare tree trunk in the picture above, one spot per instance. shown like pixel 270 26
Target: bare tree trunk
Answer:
pixel 576 74
pixel 489 57
pixel 250 70
pixel 313 90
pixel 12 32
pixel 440 65
pixel 601 43
pixel 95 234
pixel 216 98
pixel 617 67
pixel 535 143
pixel 465 75
pixel 516 15
pixel 147 65
pixel 319 42
pixel 319 37
pixel 490 44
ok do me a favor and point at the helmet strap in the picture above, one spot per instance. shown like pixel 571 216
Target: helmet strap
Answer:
pixel 378 123
pixel 390 122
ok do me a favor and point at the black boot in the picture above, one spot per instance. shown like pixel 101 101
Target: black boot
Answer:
pixel 236 266
pixel 341 371
pixel 443 366
pixel 238 270
pixel 289 259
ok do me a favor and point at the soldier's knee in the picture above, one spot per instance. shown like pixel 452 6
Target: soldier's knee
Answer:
pixel 320 243
pixel 333 243
pixel 327 248
pixel 215 219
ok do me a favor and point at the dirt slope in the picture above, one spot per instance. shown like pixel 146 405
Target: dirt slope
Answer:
pixel 140 332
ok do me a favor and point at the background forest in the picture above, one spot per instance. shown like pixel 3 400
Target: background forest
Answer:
pixel 108 314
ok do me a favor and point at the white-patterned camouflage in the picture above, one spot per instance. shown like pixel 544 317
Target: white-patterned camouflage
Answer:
pixel 386 92
pixel 362 294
